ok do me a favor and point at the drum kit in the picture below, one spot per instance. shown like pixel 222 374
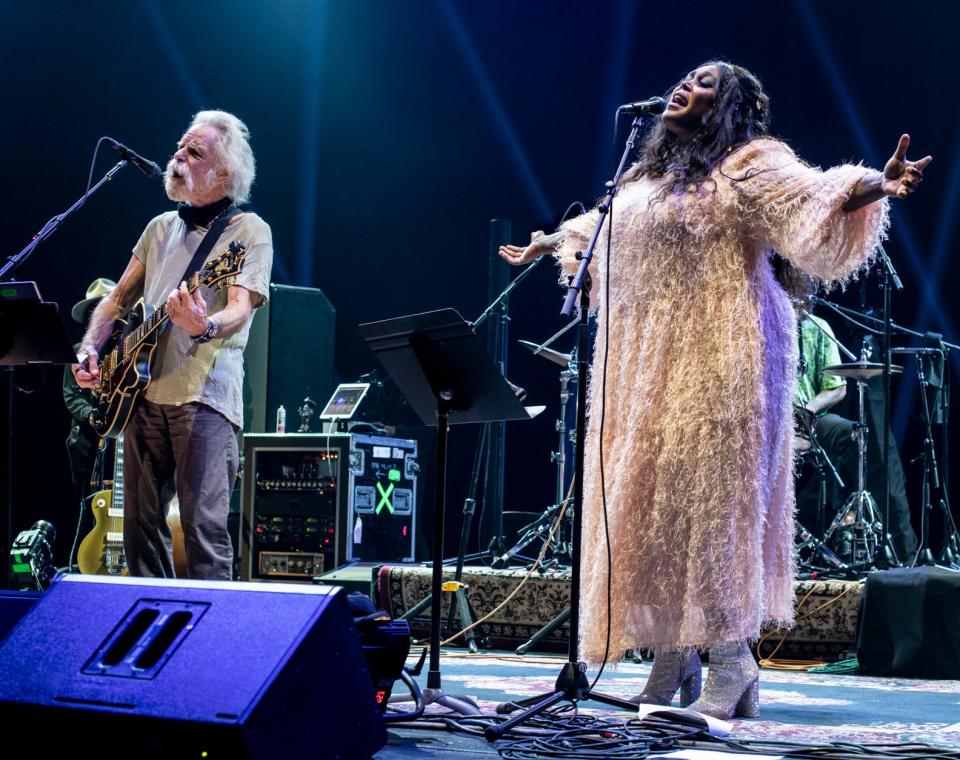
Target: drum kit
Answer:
pixel 858 516
pixel 857 521
pixel 560 549
pixel 852 539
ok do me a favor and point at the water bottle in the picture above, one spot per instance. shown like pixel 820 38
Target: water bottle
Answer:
pixel 281 419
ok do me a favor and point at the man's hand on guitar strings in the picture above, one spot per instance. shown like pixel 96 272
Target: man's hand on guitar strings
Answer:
pixel 186 311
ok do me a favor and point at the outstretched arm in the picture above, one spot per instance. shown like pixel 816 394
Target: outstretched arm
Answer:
pixel 898 179
pixel 539 245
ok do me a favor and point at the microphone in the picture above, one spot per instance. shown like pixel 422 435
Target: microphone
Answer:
pixel 651 105
pixel 145 165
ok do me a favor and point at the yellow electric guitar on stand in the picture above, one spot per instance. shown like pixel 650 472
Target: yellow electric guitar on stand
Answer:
pixel 101 552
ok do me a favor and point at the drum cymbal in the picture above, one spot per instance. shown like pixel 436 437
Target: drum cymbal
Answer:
pixel 547 353
pixel 860 370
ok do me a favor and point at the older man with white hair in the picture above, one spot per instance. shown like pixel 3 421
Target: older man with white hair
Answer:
pixel 181 437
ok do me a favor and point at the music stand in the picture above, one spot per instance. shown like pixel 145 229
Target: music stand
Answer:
pixel 31 332
pixel 440 367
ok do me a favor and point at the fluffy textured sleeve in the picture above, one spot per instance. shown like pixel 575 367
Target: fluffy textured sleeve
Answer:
pixel 576 237
pixel 798 209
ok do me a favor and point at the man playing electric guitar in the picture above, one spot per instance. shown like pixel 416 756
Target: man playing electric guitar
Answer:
pixel 181 434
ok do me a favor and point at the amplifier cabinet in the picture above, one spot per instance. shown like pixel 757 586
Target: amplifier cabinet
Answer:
pixel 312 502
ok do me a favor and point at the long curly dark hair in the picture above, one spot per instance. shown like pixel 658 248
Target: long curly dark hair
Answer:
pixel 741 112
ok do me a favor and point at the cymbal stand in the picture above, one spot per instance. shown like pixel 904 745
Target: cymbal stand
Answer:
pixel 564 436
pixel 539 529
pixel 866 523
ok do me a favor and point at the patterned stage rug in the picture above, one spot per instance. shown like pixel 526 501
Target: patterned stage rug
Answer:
pixel 826 626
pixel 794 706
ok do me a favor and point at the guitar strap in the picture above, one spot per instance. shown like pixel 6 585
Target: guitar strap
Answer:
pixel 213 234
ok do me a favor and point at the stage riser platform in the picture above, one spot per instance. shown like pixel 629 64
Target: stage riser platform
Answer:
pixel 829 633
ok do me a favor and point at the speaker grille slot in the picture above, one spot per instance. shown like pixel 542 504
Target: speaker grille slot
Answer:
pixel 146 637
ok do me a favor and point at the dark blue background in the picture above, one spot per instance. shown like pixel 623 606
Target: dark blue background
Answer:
pixel 387 134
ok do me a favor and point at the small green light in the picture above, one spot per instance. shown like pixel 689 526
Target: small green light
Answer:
pixel 394 475
pixel 8 293
pixel 21 568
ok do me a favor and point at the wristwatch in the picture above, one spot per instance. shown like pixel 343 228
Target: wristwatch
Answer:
pixel 209 334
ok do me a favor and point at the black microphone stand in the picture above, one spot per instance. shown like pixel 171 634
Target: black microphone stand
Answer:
pixel 572 683
pixel 6 372
pixel 884 556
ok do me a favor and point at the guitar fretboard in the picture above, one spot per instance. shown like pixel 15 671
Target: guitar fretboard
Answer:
pixel 134 339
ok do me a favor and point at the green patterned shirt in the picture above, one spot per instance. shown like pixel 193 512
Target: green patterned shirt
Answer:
pixel 816 352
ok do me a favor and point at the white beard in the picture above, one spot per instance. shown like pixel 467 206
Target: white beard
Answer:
pixel 188 186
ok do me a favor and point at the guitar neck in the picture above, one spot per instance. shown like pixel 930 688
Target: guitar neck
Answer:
pixel 117 499
pixel 154 322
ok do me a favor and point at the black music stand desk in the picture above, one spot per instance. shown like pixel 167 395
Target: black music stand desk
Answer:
pixel 440 367
pixel 31 332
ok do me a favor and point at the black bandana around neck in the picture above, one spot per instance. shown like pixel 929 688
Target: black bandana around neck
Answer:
pixel 201 217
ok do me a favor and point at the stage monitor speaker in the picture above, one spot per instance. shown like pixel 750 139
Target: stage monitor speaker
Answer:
pixel 910 624
pixel 13 606
pixel 289 356
pixel 162 668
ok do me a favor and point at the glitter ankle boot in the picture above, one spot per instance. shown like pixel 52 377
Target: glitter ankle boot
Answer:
pixel 733 684
pixel 672 669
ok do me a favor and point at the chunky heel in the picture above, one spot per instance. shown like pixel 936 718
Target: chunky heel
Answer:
pixel 690 688
pixel 733 684
pixel 749 704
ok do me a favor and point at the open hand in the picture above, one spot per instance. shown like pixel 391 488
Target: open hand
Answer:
pixel 518 255
pixel 188 312
pixel 900 176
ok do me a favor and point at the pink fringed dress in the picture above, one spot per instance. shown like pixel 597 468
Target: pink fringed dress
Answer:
pixel 700 370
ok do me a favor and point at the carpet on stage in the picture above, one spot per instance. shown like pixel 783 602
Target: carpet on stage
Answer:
pixel 794 706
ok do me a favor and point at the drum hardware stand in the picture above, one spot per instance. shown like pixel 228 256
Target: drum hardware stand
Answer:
pixel 539 529
pixel 867 527
pixel 808 540
pixel 572 684
pixel 852 315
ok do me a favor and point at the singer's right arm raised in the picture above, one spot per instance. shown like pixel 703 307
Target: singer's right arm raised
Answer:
pixel 108 311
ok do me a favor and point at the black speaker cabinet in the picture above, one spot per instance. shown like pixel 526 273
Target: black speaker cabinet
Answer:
pixel 137 667
pixel 289 355
pixel 910 624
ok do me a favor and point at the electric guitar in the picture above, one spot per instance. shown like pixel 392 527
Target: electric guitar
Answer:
pixel 101 552
pixel 125 363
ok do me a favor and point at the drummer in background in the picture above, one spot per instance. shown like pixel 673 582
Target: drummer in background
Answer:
pixel 817 393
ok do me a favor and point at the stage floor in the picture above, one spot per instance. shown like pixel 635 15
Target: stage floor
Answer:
pixel 794 706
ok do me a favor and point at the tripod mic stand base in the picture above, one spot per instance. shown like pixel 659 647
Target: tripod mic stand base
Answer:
pixel 461 705
pixel 572 685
